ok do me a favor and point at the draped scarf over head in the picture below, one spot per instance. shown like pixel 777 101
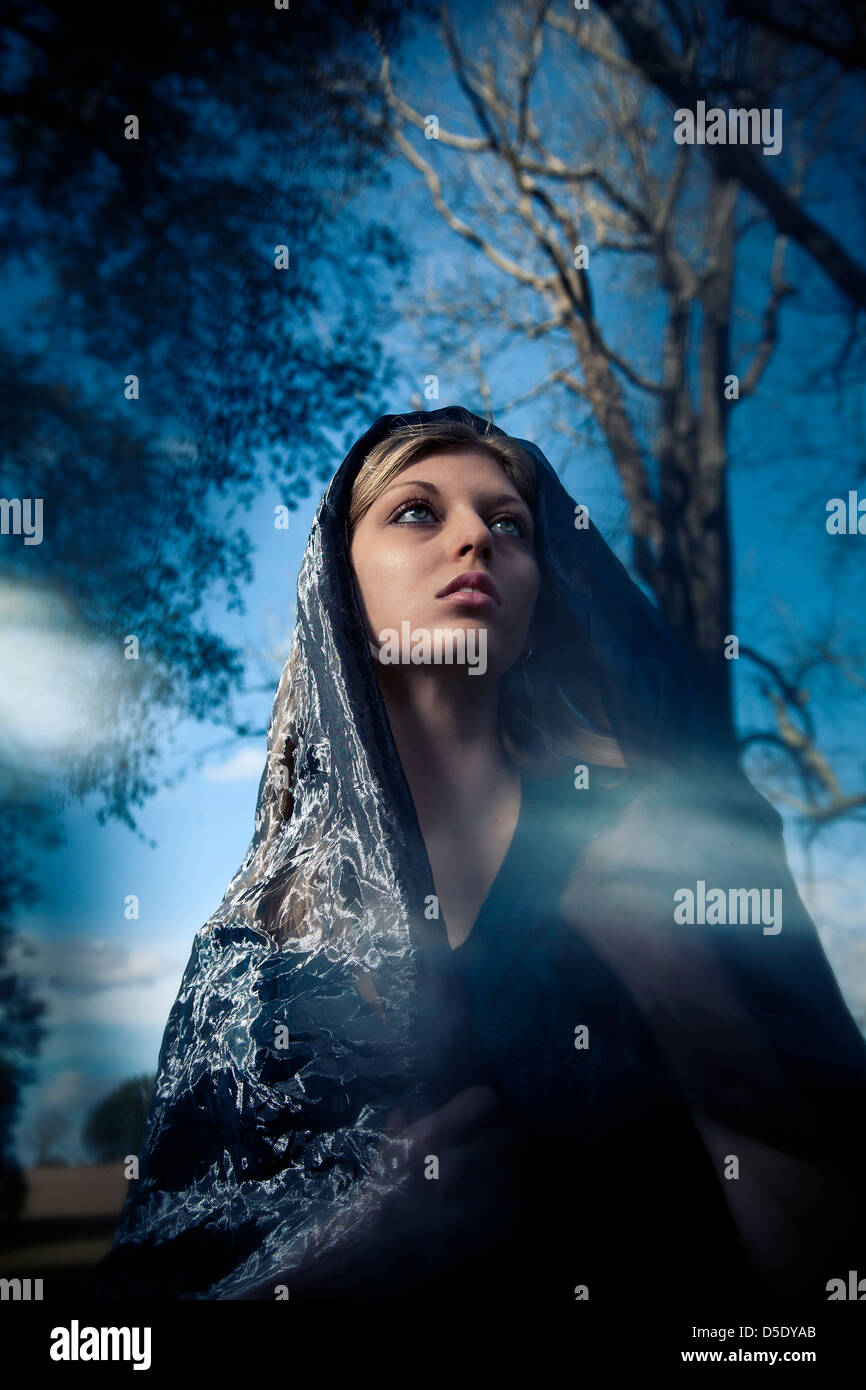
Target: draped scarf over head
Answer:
pixel 279 1065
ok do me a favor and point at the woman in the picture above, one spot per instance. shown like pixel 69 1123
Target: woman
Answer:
pixel 452 1030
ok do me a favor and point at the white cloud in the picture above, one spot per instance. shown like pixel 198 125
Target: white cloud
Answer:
pixel 90 982
pixel 51 672
pixel 242 766
pixel 88 964
pixel 68 1088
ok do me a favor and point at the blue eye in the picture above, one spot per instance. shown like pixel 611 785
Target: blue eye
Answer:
pixel 513 519
pixel 412 506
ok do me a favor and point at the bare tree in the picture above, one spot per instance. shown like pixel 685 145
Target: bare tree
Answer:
pixel 837 30
pixel 561 217
pixel 675 69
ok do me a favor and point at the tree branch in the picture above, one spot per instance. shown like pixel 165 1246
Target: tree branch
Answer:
pixel 649 51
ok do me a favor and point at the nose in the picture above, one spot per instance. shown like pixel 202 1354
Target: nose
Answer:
pixel 470 534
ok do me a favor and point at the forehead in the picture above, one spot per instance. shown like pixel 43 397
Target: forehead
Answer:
pixel 455 468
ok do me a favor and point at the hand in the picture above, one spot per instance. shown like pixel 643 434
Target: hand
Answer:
pixel 413 1232
pixel 471 1143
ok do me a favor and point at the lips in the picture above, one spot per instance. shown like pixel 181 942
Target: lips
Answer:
pixel 474 580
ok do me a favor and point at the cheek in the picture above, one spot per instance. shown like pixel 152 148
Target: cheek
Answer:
pixel 387 581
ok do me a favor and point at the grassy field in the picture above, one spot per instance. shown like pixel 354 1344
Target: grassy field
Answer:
pixel 67 1226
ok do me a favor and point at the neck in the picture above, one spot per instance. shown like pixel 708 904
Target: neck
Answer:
pixel 445 729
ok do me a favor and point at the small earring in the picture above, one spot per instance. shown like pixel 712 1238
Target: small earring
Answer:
pixel 528 653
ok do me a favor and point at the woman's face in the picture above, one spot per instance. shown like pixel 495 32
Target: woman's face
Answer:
pixel 442 516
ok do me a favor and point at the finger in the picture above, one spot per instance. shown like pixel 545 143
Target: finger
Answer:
pixel 396 1121
pixel 459 1118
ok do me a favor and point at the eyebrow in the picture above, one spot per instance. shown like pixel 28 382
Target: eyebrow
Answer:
pixel 509 497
